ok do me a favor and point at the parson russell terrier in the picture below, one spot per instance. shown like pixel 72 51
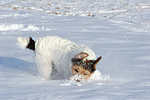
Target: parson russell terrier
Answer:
pixel 61 58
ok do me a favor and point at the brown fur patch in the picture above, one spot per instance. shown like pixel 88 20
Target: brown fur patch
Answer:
pixel 87 65
pixel 81 55
pixel 83 67
pixel 81 71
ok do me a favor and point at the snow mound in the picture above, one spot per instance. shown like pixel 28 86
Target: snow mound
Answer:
pixel 97 78
pixel 18 27
pixel 11 27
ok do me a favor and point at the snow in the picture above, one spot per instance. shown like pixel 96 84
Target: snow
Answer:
pixel 118 30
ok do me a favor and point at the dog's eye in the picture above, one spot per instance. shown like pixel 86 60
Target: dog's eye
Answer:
pixel 76 70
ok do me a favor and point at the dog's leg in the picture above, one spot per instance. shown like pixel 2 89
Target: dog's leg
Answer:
pixel 54 70
pixel 44 67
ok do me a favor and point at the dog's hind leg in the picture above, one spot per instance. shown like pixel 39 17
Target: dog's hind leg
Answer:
pixel 44 67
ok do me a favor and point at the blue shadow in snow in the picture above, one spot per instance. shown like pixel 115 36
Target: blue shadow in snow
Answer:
pixel 19 64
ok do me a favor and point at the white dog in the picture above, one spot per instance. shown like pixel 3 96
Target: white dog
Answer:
pixel 58 58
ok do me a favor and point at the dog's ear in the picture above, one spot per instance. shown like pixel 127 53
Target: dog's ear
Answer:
pixel 97 60
pixel 81 55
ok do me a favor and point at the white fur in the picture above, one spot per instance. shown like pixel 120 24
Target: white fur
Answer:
pixel 96 76
pixel 53 51
pixel 23 42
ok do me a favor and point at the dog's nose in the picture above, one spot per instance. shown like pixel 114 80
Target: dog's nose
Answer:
pixel 78 80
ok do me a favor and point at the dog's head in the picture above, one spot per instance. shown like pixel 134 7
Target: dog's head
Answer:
pixel 82 66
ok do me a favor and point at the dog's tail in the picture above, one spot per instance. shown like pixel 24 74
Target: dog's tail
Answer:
pixel 28 43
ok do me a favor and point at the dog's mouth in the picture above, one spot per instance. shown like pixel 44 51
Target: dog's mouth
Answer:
pixel 78 78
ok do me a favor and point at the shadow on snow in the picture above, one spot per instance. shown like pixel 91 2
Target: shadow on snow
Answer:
pixel 19 64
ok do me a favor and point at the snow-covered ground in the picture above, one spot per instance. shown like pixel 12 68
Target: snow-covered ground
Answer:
pixel 119 30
